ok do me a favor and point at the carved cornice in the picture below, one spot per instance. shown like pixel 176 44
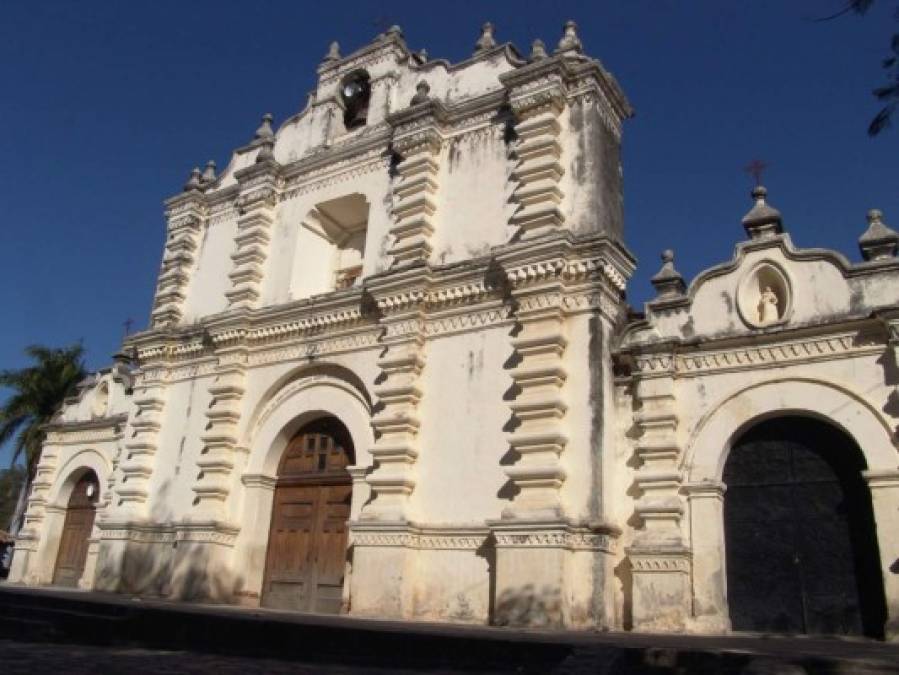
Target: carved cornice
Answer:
pixel 168 533
pixel 572 275
pixel 659 562
pixel 102 423
pixel 422 537
pixel 561 534
pixel 686 361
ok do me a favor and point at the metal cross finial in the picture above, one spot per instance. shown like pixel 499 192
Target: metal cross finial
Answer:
pixel 128 323
pixel 755 168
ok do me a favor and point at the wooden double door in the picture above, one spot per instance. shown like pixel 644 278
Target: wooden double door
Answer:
pixel 76 531
pixel 306 556
pixel 801 546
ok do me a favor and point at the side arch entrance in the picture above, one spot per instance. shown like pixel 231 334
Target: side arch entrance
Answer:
pixel 79 523
pixel 800 538
pixel 306 554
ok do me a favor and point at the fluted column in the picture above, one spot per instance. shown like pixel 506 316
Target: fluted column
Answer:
pixel 539 405
pixel 140 448
pixel 660 560
pixel 538 170
pixel 217 458
pixel 417 141
pixel 256 207
pixel 397 422
pixel 185 222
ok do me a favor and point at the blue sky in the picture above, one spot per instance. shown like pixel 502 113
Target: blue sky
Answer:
pixel 106 106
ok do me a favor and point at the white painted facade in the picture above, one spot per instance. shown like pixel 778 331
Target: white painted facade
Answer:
pixel 447 279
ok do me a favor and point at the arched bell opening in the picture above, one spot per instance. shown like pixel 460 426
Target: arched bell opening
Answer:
pixel 800 538
pixel 81 511
pixel 306 554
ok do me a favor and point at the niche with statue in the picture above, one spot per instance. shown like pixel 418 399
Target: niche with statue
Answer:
pixel 764 297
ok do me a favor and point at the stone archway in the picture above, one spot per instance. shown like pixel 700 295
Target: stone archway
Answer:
pixel 801 548
pixel 291 403
pixel 306 553
pixel 707 450
pixel 80 513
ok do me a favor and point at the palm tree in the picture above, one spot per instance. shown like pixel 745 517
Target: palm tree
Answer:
pixel 37 393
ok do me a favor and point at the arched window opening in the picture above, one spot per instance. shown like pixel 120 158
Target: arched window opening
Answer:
pixel 355 93
pixel 332 259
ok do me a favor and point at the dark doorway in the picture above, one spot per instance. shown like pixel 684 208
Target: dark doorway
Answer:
pixel 307 542
pixel 799 530
pixel 76 531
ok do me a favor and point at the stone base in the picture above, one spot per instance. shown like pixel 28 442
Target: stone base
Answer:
pixel 381 570
pixel 661 589
pixel 551 573
pixel 184 561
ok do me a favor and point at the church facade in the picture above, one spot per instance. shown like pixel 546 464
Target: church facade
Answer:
pixel 391 372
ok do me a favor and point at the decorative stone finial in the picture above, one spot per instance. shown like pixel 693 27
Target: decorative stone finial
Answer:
pixel 266 150
pixel 538 50
pixel 668 282
pixel 394 30
pixel 422 55
pixel 486 41
pixel 762 221
pixel 879 241
pixel 421 93
pixel 265 129
pixel 193 183
pixel 333 53
pixel 570 42
pixel 209 172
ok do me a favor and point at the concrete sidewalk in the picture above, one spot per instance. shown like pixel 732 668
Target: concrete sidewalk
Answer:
pixel 312 643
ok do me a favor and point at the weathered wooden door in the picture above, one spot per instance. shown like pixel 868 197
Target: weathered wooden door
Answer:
pixel 307 542
pixel 799 531
pixel 76 531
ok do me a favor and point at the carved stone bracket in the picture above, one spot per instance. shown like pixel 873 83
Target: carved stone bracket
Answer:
pixel 417 140
pixel 659 557
pixel 183 233
pixel 217 460
pixel 259 194
pixel 538 152
pixel 539 406
pixel 140 449
pixel 396 423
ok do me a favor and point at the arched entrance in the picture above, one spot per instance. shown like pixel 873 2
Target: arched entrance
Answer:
pixel 306 555
pixel 799 530
pixel 76 531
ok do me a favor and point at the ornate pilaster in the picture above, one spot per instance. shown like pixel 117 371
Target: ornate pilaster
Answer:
pixel 256 207
pixel 186 214
pixel 417 140
pixel 140 449
pixel 539 406
pixel 660 560
pixel 40 486
pixel 884 487
pixel 397 423
pixel 217 458
pixel 706 500
pixel 538 151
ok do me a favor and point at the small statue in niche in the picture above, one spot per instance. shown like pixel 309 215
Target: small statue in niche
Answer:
pixel 767 307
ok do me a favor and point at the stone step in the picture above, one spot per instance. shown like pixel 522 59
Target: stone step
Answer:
pixel 77 617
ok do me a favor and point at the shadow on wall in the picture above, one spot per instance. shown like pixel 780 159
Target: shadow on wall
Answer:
pixel 178 571
pixel 625 578
pixel 528 606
